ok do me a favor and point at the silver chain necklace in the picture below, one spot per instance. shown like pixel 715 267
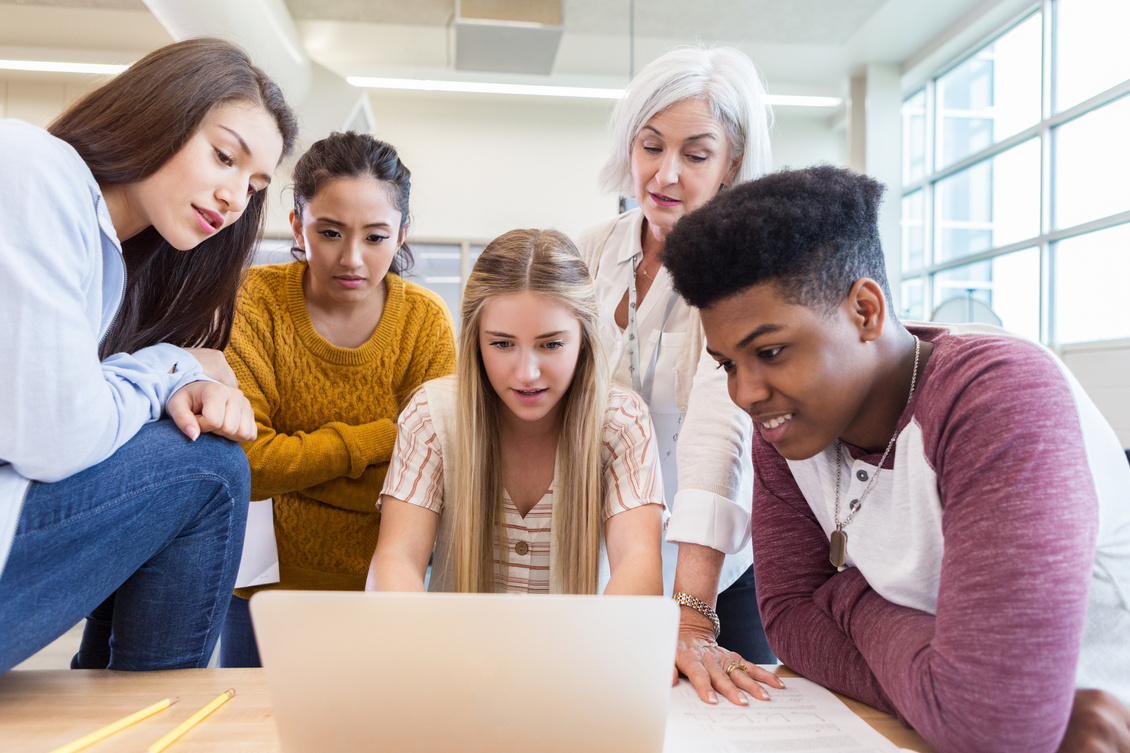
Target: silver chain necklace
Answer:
pixel 837 549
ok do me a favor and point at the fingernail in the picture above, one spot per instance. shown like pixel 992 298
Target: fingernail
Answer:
pixel 193 433
pixel 712 697
pixel 742 700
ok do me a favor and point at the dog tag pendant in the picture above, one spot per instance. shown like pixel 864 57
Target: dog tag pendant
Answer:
pixel 837 548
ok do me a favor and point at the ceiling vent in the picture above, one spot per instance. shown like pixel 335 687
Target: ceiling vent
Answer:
pixel 511 36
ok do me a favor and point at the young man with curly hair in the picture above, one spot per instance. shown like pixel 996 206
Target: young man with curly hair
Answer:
pixel 941 517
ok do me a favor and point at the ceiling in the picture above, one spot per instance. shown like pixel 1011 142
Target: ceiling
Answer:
pixel 792 21
pixel 802 46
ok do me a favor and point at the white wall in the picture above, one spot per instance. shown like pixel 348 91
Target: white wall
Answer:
pixel 1102 368
pixel 480 168
pixel 803 140
pixel 483 167
pixel 39 97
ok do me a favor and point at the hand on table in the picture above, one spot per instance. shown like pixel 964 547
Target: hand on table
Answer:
pixel 201 407
pixel 704 663
pixel 214 364
pixel 1099 723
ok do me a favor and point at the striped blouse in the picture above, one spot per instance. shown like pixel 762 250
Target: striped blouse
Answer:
pixel 416 475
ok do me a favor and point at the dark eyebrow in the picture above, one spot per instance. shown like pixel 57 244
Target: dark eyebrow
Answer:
pixel 242 144
pixel 337 223
pixel 514 337
pixel 764 329
pixel 246 150
pixel 696 137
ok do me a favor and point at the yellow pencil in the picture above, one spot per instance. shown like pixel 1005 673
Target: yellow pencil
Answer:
pixel 110 729
pixel 190 722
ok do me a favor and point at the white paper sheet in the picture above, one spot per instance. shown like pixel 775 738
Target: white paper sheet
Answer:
pixel 260 562
pixel 802 717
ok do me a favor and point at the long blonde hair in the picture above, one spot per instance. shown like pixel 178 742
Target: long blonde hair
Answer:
pixel 545 263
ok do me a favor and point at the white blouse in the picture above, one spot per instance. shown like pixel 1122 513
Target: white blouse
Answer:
pixel 709 481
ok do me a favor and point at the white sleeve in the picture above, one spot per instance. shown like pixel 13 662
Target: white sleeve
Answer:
pixel 715 467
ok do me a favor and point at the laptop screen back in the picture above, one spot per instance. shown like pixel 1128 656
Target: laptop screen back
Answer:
pixel 350 671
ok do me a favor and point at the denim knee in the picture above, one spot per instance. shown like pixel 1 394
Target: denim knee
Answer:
pixel 223 458
pixel 209 455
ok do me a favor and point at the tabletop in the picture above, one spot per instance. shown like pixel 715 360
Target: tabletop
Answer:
pixel 41 710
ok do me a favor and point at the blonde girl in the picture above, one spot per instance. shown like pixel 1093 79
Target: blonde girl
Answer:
pixel 519 472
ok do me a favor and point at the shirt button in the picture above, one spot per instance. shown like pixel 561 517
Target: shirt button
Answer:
pixel 521 548
pixel 861 475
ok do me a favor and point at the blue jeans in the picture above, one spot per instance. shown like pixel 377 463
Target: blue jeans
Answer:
pixel 147 543
pixel 237 642
pixel 742 630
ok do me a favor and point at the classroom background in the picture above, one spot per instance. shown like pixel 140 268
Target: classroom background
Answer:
pixel 998 126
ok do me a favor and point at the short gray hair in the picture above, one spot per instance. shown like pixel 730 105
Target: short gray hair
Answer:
pixel 724 78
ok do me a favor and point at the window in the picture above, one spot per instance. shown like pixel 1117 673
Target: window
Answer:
pixel 991 95
pixel 443 268
pixel 1091 271
pixel 1092 158
pixel 990 204
pixel 1012 196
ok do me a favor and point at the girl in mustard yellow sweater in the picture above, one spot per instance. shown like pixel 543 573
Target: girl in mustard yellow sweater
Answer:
pixel 328 349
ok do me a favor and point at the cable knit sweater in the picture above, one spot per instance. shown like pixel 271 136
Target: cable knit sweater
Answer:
pixel 327 417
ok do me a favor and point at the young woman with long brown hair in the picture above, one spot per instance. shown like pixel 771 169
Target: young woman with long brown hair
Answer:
pixel 519 470
pixel 128 223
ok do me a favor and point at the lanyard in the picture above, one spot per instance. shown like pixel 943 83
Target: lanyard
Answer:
pixel 643 387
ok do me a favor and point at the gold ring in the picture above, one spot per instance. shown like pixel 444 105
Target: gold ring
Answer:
pixel 735 665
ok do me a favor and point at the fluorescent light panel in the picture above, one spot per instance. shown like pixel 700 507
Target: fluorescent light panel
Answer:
pixel 480 87
pixel 53 67
pixel 477 87
pixel 800 100
pixel 469 87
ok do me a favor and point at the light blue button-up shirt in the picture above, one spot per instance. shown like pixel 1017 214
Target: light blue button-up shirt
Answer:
pixel 62 279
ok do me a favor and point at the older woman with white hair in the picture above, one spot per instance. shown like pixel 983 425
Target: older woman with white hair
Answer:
pixel 691 123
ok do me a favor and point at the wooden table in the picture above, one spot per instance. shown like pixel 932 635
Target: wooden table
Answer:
pixel 41 710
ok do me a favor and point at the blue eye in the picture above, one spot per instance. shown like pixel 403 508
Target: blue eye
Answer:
pixel 554 344
pixel 501 344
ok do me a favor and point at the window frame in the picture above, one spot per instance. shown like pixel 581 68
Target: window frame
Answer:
pixel 1044 131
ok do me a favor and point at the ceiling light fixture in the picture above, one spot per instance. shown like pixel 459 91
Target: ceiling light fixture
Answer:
pixel 481 87
pixel 478 87
pixel 53 67
pixel 802 100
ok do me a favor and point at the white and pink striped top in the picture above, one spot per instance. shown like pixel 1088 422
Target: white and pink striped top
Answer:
pixel 417 475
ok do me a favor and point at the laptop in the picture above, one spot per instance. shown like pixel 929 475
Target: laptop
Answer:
pixel 436 672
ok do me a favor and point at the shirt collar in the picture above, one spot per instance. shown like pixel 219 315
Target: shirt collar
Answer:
pixel 633 247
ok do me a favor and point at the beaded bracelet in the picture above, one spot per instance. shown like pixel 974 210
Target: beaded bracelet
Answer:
pixel 701 607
